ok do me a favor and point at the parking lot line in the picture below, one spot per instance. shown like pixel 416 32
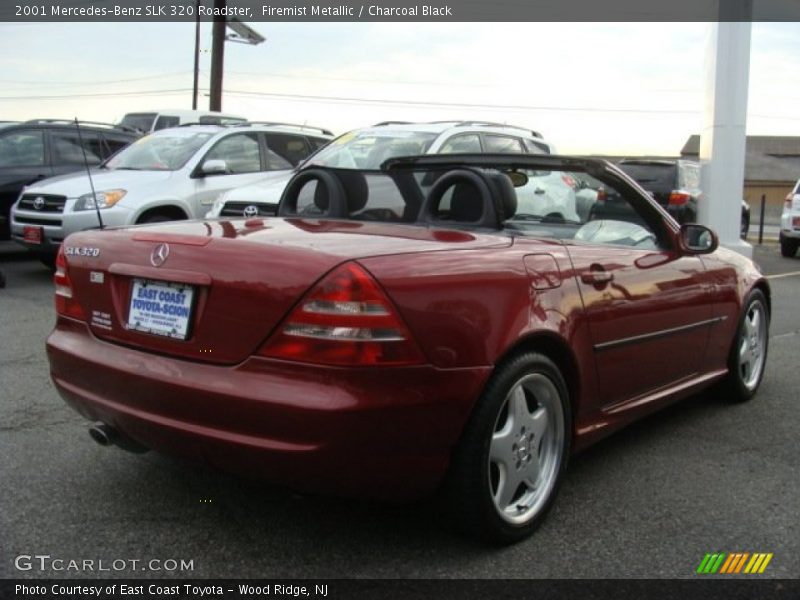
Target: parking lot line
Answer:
pixel 778 276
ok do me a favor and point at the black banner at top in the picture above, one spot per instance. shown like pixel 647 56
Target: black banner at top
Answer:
pixel 399 10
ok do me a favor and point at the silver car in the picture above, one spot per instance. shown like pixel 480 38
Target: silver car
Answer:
pixel 169 175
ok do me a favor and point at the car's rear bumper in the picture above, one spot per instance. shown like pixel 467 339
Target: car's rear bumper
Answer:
pixel 384 433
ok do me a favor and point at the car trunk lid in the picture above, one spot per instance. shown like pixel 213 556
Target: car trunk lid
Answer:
pixel 223 286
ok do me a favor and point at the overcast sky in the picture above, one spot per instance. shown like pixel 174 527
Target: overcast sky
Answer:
pixel 588 87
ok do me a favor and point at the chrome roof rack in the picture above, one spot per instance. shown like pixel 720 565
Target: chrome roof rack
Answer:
pixel 81 122
pixel 277 124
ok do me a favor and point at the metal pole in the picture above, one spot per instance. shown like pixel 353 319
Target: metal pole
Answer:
pixel 761 220
pixel 217 55
pixel 196 54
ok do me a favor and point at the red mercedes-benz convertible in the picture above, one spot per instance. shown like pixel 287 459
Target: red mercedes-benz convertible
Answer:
pixel 446 323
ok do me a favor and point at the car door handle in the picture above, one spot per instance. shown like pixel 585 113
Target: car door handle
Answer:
pixel 596 277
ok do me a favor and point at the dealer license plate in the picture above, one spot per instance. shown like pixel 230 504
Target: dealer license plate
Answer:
pixel 161 308
pixel 32 235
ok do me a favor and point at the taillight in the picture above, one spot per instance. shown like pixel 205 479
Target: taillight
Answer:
pixel 569 180
pixel 66 305
pixel 678 199
pixel 602 196
pixel 346 319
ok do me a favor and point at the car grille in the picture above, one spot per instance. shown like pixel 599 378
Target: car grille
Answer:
pixel 25 220
pixel 48 203
pixel 236 209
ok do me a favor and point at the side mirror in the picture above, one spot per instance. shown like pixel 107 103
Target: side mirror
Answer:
pixel 518 178
pixel 214 167
pixel 698 239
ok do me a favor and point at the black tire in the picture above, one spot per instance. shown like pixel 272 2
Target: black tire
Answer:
pixel 155 218
pixel 734 387
pixel 474 478
pixel 48 260
pixel 788 247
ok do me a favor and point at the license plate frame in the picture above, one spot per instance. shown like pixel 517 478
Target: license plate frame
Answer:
pixel 31 234
pixel 164 308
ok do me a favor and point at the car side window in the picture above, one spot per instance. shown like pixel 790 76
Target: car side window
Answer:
pixel 464 143
pixel 317 143
pixel 164 122
pixel 240 152
pixel 501 144
pixel 555 204
pixel 275 162
pixel 291 147
pixel 115 144
pixel 66 147
pixel 22 148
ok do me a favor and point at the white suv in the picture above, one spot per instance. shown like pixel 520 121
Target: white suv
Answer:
pixel 790 223
pixel 367 148
pixel 171 174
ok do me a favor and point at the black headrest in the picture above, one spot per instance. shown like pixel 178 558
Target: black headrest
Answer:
pixel 506 194
pixel 466 203
pixel 355 187
pixel 472 199
pixel 329 195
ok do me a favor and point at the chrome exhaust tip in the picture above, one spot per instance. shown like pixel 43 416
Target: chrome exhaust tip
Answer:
pixel 106 435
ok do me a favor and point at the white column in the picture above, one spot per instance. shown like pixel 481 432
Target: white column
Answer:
pixel 722 137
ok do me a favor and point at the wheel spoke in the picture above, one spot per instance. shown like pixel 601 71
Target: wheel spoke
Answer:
pixel 518 407
pixel 500 449
pixel 507 487
pixel 755 322
pixel 743 347
pixel 538 424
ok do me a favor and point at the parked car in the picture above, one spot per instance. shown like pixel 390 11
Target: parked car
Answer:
pixel 367 148
pixel 171 174
pixel 33 150
pixel 675 184
pixel 155 120
pixel 406 338
pixel 790 223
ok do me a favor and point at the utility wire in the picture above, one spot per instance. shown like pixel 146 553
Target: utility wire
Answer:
pixel 100 95
pixel 93 82
pixel 383 101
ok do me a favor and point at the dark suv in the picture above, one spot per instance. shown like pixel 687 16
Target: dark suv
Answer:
pixel 675 185
pixel 33 150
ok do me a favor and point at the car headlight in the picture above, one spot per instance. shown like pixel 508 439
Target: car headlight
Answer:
pixel 105 199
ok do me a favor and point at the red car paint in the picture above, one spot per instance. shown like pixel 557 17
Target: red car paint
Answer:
pixel 468 299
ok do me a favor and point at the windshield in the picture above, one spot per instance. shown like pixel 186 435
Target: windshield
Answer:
pixel 140 121
pixel 369 148
pixel 159 152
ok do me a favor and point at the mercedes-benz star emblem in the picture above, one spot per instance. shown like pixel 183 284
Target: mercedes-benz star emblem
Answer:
pixel 251 210
pixel 38 203
pixel 159 255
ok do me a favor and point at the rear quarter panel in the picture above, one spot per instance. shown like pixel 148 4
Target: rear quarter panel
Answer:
pixel 475 307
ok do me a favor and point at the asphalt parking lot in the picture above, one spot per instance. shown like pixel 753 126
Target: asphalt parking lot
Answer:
pixel 649 502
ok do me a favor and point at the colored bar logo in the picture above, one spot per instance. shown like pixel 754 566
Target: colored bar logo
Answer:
pixel 734 563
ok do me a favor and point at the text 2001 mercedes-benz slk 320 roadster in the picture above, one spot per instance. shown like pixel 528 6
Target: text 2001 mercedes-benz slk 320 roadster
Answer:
pixel 427 327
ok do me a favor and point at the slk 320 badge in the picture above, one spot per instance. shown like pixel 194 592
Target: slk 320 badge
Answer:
pixel 82 251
